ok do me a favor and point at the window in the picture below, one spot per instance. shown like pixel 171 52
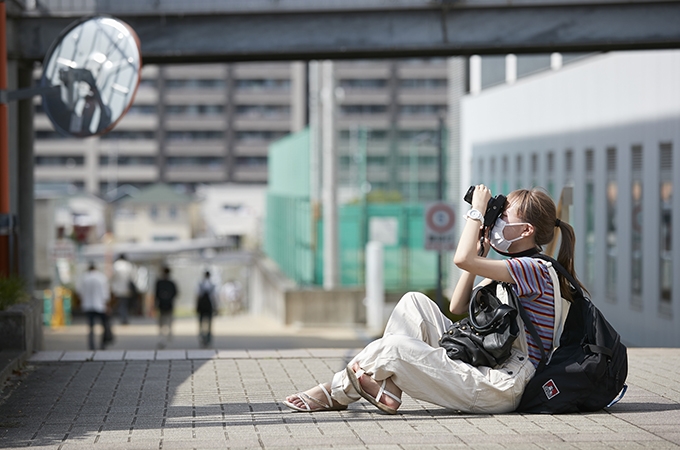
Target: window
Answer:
pixel 520 169
pixel 505 188
pixel 636 228
pixel 252 161
pixel 195 110
pixel 127 160
pixel 417 110
pixel 164 238
pixel 262 84
pixel 148 83
pixel 666 224
pixel 55 161
pixel 205 161
pixel 129 135
pixel 194 135
pixel 363 83
pixel 195 84
pixel 429 136
pixel 551 170
pixel 423 83
pixel 142 110
pixel 362 109
pixel 405 160
pixel 172 211
pixel 153 211
pixel 258 136
pixel 377 135
pixel 612 196
pixel 263 110
pixel 534 169
pixel 49 135
pixel 379 161
pixel 590 219
pixel 480 172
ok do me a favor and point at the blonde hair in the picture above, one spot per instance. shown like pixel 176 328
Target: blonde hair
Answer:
pixel 537 208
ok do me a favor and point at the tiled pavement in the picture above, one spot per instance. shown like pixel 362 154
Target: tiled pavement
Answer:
pixel 231 399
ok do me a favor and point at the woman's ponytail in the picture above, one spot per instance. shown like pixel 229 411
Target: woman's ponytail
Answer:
pixel 566 257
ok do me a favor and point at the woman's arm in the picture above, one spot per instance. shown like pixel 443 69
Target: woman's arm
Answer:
pixel 462 293
pixel 466 257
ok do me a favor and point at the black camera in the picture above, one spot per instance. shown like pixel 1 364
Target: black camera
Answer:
pixel 494 208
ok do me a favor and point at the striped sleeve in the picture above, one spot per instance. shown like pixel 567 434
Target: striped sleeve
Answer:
pixel 533 285
pixel 528 275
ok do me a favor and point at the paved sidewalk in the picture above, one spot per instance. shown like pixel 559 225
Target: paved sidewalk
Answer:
pixel 231 399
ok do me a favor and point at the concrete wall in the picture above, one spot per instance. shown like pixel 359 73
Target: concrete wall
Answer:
pixel 273 295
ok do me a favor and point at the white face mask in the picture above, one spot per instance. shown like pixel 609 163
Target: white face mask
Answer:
pixel 497 238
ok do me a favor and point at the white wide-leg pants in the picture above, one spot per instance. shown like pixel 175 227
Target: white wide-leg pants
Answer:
pixel 409 352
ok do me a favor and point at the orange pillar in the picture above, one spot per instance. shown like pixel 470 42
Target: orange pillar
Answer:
pixel 4 145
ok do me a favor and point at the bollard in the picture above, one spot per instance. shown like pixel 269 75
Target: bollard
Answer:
pixel 375 286
pixel 66 302
pixel 58 311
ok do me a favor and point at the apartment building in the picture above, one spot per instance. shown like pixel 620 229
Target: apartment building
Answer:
pixel 204 124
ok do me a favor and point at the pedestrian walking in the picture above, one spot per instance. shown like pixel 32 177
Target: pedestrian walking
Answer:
pixel 123 287
pixel 93 289
pixel 205 307
pixel 165 293
pixel 230 297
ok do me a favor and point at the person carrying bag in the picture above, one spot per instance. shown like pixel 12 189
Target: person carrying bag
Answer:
pixel 409 357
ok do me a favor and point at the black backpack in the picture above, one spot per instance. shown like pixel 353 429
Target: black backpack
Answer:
pixel 589 368
pixel 204 304
pixel 165 294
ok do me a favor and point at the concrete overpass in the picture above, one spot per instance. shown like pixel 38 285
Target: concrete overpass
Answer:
pixel 173 31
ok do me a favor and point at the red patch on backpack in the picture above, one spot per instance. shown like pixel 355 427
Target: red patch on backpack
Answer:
pixel 550 389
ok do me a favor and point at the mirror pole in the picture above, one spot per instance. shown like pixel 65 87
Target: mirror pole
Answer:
pixel 4 145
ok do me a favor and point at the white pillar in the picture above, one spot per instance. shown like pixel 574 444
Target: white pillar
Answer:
pixel 315 131
pixel 556 61
pixel 375 286
pixel 329 189
pixel 298 98
pixel 475 74
pixel 510 68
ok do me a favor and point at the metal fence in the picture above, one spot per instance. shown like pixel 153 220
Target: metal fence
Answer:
pixel 294 240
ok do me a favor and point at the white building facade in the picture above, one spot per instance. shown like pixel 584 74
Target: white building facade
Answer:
pixel 608 125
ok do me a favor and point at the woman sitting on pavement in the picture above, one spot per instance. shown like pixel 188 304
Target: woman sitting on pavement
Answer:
pixel 408 357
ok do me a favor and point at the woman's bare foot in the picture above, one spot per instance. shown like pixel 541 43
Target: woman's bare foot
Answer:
pixel 372 387
pixel 314 399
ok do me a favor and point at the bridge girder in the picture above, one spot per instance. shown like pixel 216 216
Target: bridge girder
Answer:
pixel 437 30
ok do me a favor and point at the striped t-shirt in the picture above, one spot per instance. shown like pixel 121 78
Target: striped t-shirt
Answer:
pixel 534 288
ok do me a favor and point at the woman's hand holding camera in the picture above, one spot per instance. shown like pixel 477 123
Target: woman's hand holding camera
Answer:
pixel 481 197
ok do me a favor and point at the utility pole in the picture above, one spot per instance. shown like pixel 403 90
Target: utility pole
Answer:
pixel 440 197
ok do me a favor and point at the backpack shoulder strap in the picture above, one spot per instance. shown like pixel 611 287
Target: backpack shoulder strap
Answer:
pixel 562 271
pixel 532 330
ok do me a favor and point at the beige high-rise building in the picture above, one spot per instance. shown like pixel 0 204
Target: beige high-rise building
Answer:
pixel 213 123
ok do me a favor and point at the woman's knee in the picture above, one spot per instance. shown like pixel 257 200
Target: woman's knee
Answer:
pixel 413 298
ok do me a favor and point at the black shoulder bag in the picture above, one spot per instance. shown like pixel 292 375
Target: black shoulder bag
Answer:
pixel 485 337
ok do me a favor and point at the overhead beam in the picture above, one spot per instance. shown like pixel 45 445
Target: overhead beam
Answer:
pixel 438 30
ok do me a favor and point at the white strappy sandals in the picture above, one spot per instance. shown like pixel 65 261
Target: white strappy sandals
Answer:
pixel 354 379
pixel 306 399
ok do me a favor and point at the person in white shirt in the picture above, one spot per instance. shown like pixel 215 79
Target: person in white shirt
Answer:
pixel 122 286
pixel 93 289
